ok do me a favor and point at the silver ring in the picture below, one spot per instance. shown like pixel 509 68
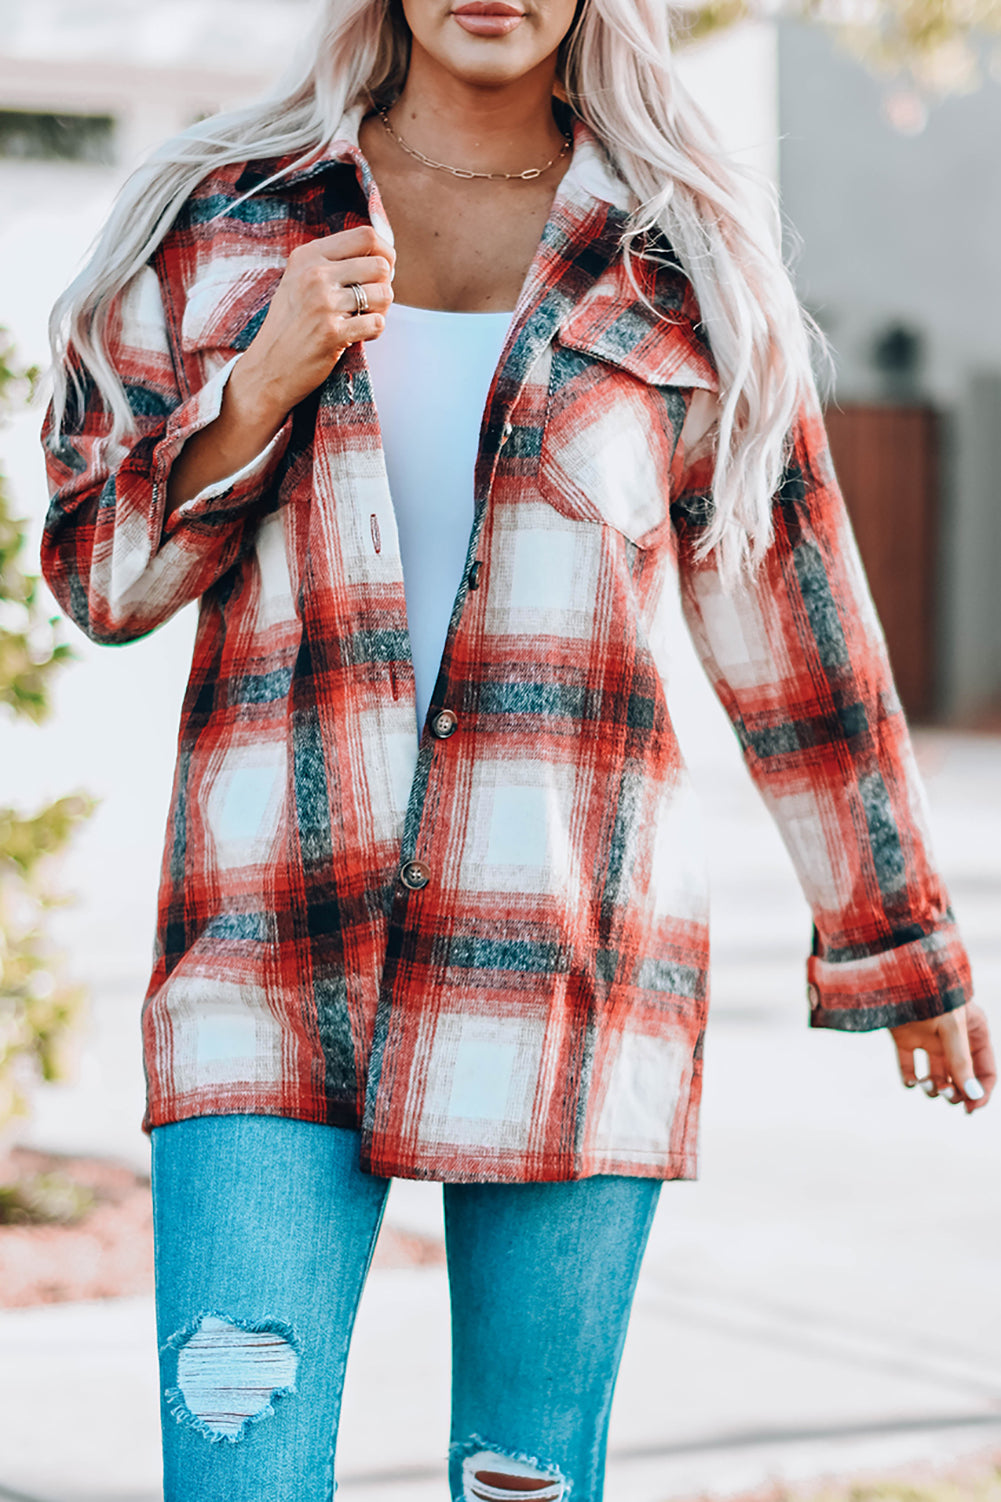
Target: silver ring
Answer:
pixel 361 298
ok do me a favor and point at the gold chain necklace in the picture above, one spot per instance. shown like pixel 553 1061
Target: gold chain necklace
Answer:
pixel 525 176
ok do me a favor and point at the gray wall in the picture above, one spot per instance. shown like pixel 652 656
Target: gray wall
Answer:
pixel 907 229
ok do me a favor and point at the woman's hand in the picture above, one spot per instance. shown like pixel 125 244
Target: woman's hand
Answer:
pixel 960 1056
pixel 312 320
pixel 309 325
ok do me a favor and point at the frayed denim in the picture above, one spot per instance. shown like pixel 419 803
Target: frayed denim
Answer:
pixel 265 1229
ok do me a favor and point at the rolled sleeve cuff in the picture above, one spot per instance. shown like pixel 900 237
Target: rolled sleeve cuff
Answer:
pixel 233 491
pixel 923 978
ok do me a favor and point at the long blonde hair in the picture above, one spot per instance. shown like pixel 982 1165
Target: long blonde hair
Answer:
pixel 617 69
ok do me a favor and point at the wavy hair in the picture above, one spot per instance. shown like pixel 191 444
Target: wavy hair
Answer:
pixel 616 68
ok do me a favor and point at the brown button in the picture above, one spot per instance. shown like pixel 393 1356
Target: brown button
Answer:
pixel 444 724
pixel 415 875
pixel 474 574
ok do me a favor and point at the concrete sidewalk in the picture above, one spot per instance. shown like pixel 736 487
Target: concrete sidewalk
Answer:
pixel 823 1299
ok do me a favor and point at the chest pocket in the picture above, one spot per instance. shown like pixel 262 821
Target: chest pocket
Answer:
pixel 620 381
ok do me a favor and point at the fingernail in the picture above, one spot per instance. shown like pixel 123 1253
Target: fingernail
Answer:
pixel 928 1086
pixel 949 1092
pixel 910 1084
pixel 973 1090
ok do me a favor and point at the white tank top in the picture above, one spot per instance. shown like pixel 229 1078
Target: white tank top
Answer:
pixel 431 372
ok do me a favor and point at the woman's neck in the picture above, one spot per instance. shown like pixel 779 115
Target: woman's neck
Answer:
pixel 504 129
pixel 465 245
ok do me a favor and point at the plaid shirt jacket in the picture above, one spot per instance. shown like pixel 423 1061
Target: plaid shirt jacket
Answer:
pixel 489 952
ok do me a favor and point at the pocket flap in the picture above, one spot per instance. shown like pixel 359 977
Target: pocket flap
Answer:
pixel 661 350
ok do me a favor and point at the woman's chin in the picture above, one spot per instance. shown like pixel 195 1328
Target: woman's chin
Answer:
pixel 488 65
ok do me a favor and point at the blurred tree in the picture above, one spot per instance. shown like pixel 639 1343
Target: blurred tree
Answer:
pixel 931 47
pixel 37 1009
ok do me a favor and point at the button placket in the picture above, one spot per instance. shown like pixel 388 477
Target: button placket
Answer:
pixel 415 875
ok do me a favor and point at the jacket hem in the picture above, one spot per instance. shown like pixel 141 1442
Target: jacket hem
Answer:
pixel 540 1169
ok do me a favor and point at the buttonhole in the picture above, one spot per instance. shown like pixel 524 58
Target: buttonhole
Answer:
pixel 373 522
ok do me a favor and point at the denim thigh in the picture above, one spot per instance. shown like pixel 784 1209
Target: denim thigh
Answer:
pixel 542 1278
pixel 264 1231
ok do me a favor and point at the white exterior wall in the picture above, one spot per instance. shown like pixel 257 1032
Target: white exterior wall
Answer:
pixel 734 77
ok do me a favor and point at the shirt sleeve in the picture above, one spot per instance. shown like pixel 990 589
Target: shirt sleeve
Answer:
pixel 115 565
pixel 798 659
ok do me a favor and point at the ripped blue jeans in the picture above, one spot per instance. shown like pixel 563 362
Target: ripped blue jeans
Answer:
pixel 265 1229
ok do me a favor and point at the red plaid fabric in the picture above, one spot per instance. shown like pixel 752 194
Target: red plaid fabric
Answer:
pixel 489 953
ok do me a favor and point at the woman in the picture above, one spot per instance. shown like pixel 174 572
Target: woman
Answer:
pixel 475 954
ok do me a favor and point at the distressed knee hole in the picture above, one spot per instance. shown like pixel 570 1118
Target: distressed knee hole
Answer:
pixel 229 1372
pixel 489 1476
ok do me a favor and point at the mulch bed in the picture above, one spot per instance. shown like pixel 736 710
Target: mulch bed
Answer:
pixel 108 1252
